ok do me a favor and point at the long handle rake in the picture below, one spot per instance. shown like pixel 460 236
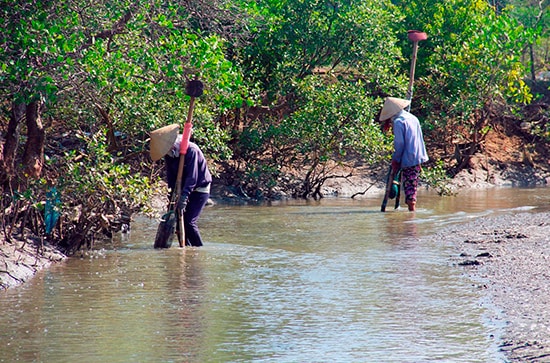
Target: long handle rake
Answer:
pixel 193 89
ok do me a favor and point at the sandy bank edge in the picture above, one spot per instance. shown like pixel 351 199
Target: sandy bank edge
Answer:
pixel 511 253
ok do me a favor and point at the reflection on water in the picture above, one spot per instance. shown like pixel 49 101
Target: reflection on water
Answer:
pixel 334 280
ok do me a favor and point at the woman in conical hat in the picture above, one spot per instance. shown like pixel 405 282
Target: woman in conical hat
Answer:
pixel 162 140
pixel 392 106
pixel 196 178
pixel 408 144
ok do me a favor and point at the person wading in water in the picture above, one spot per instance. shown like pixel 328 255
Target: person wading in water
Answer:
pixel 408 144
pixel 196 179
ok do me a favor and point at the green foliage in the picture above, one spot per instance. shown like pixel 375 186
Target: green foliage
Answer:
pixel 114 70
pixel 329 64
pixel 300 38
pixel 136 73
pixel 489 56
pixel 260 179
pixel 95 184
pixel 261 160
pixel 333 119
pixel 472 65
pixel 38 46
pixel 437 178
pixel 102 176
pixel 141 81
pixel 213 140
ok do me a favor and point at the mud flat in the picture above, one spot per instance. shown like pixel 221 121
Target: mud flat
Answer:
pixel 21 260
pixel 510 256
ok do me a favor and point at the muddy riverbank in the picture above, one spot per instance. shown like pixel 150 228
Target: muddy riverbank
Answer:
pixel 510 257
pixel 21 260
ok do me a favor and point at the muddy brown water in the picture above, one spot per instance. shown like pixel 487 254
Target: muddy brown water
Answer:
pixel 328 281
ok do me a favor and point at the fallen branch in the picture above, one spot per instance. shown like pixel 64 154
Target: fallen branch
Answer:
pixel 363 192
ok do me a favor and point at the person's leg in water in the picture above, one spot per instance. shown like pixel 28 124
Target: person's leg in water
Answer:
pixel 195 204
pixel 410 184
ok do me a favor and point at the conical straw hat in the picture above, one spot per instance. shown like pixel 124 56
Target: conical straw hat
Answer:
pixel 392 106
pixel 162 140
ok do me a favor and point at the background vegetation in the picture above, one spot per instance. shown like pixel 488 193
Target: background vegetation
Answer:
pixel 290 85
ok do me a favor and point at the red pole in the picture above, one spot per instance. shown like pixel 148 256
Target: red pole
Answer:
pixel 415 36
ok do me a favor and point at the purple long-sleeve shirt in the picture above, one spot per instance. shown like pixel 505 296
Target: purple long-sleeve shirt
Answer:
pixel 408 142
pixel 195 170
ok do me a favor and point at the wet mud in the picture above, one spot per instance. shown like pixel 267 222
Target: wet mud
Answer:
pixel 510 257
pixel 21 260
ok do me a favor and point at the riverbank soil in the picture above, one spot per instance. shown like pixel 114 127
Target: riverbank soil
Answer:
pixel 21 260
pixel 510 256
pixel 506 157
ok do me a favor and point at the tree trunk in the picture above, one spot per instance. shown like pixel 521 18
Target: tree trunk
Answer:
pixel 111 137
pixel 532 56
pixel 33 157
pixel 7 160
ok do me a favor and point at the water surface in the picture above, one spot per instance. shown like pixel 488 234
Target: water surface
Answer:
pixel 328 281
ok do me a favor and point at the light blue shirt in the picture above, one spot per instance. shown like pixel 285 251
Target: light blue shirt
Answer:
pixel 408 142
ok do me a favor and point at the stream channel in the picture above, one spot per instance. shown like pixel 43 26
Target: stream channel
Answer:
pixel 333 281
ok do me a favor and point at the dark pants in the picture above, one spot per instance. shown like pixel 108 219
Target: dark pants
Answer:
pixel 195 204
